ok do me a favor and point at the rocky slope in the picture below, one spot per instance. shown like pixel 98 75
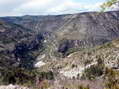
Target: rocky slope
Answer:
pixel 17 42
pixel 87 67
pixel 72 31
pixel 58 47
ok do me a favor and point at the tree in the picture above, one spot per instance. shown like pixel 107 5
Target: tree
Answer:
pixel 108 4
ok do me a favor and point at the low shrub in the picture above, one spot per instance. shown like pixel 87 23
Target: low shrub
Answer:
pixel 93 72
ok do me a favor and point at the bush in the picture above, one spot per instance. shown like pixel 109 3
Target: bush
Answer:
pixel 24 77
pixel 18 76
pixel 111 79
pixel 82 87
pixel 93 72
pixel 46 75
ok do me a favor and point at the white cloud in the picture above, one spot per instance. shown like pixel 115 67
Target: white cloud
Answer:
pixel 73 7
pixel 37 7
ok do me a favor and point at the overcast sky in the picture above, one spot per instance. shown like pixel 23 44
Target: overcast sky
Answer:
pixel 47 7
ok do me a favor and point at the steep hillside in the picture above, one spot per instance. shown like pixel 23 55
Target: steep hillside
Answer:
pixel 53 51
pixel 16 42
pixel 74 30
pixel 88 67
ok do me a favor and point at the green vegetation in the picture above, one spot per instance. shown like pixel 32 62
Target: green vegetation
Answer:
pixel 108 4
pixel 75 86
pixel 82 87
pixel 23 77
pixel 46 75
pixel 111 79
pixel 17 76
pixel 94 71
